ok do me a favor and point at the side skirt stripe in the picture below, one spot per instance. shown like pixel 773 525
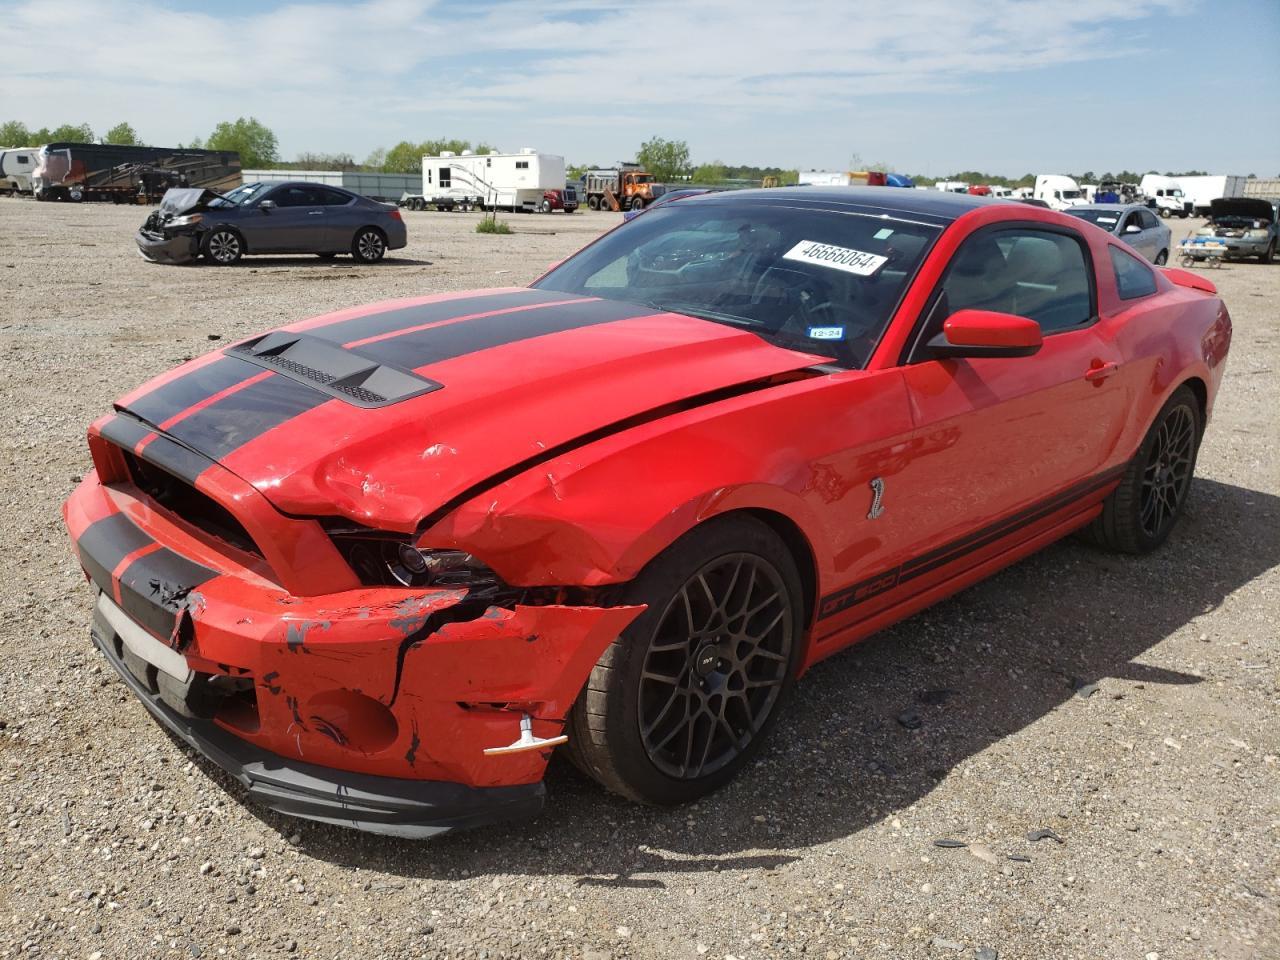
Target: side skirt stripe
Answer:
pixel 886 580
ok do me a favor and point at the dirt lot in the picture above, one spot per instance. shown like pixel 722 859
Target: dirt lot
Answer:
pixel 1164 785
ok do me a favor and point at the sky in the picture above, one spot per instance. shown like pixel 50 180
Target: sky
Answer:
pixel 925 86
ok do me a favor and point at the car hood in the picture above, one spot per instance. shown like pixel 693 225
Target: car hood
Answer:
pixel 180 200
pixel 1245 207
pixel 386 414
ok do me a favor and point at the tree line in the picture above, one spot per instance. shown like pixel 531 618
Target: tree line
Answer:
pixel 668 160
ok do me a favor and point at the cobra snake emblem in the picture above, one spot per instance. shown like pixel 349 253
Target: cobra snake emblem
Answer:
pixel 877 498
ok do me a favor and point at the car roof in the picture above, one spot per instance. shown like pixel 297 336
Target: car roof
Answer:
pixel 934 205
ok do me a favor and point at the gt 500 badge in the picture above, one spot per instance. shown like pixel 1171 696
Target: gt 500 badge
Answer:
pixel 837 258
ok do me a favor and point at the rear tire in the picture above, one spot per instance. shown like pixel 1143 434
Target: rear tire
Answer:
pixel 1143 510
pixel 684 698
pixel 223 247
pixel 593 203
pixel 369 245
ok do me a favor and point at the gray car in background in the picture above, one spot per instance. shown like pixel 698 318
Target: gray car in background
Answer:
pixel 1135 224
pixel 257 218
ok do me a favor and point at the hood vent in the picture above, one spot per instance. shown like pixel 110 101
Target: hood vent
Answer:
pixel 333 369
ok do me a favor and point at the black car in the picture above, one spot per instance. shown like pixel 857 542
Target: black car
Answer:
pixel 293 217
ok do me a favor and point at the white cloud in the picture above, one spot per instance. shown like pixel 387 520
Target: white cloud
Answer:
pixel 352 75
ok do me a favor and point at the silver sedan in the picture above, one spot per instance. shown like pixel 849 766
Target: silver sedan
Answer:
pixel 1133 223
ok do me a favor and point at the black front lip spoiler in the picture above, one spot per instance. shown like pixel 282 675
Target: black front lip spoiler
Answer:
pixel 414 809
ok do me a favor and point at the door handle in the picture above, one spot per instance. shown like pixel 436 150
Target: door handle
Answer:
pixel 1100 371
pixel 315 213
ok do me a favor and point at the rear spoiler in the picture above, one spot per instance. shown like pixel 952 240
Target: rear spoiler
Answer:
pixel 1185 278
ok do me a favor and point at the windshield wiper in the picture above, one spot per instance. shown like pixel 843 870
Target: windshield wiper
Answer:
pixel 692 310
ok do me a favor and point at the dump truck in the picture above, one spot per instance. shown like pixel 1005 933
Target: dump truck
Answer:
pixel 624 187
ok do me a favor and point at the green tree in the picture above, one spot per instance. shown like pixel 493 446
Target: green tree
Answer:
pixel 377 160
pixel 195 144
pixel 124 134
pixel 665 159
pixel 575 171
pixel 712 172
pixel 71 133
pixel 404 157
pixel 255 143
pixel 14 133
pixel 324 161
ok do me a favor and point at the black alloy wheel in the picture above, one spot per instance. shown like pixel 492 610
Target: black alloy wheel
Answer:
pixel 1144 508
pixel 715 666
pixel 686 696
pixel 1167 475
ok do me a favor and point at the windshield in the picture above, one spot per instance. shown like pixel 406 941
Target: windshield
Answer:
pixel 240 195
pixel 1070 194
pixel 1106 219
pixel 817 281
pixel 644 178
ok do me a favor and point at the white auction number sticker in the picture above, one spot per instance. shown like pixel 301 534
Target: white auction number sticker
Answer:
pixel 836 258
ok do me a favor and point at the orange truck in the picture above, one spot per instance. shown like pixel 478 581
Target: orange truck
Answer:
pixel 626 187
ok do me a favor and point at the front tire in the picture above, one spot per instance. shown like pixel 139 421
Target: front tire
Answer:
pixel 637 203
pixel 1269 254
pixel 681 701
pixel 223 247
pixel 369 245
pixel 1143 510
pixel 1162 258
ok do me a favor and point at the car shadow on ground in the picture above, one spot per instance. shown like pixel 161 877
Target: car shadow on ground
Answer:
pixel 840 760
pixel 314 261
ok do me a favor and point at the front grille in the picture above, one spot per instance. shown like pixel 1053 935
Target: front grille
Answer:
pixel 187 503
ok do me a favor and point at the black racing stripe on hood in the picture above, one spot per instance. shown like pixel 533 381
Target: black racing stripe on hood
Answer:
pixel 124 431
pixel 424 347
pixel 245 415
pixel 177 395
pixel 388 321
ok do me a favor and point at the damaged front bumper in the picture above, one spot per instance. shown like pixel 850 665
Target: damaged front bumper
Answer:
pixel 158 248
pixel 370 708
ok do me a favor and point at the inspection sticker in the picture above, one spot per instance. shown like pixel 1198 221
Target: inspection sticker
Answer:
pixel 837 258
pixel 826 333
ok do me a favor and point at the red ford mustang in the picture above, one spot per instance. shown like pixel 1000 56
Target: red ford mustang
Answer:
pixel 378 563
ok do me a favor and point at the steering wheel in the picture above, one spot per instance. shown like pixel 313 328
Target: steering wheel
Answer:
pixel 809 300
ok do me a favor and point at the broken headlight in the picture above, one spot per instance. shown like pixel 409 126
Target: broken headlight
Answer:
pixel 392 562
pixel 190 220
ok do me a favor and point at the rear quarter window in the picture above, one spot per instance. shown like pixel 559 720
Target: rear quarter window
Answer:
pixel 1134 279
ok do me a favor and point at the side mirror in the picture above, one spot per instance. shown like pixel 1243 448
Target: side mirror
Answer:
pixel 266 206
pixel 1133 228
pixel 986 333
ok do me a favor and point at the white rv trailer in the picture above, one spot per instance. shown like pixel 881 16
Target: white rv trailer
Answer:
pixel 508 181
pixel 16 165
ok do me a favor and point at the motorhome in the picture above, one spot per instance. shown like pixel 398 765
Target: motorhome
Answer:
pixel 1168 195
pixel 105 171
pixel 507 181
pixel 1057 191
pixel 16 164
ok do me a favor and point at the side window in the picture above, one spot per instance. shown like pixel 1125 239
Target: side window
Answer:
pixel 446 178
pixel 1133 277
pixel 294 197
pixel 1027 272
pixel 333 198
pixel 1148 220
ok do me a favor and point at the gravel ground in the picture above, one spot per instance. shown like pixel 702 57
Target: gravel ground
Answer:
pixel 1163 785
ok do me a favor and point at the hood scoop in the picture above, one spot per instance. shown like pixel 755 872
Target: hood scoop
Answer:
pixel 332 369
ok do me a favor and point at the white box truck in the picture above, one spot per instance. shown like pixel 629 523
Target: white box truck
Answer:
pixel 505 181
pixel 1168 195
pixel 1202 191
pixel 1058 191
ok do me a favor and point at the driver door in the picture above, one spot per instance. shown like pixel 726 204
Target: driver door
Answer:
pixel 294 225
pixel 1011 442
